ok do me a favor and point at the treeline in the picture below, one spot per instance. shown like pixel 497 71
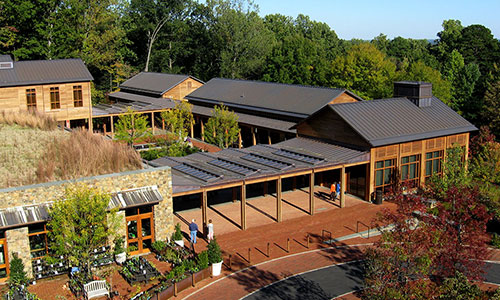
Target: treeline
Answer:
pixel 227 38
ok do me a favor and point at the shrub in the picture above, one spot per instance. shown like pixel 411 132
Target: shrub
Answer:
pixel 177 236
pixel 119 245
pixel 17 273
pixel 177 273
pixel 495 240
pixel 159 246
pixel 214 252
pixel 85 154
pixel 190 265
pixel 202 260
pixel 176 149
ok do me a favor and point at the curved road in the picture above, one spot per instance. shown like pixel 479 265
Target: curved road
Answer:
pixel 331 282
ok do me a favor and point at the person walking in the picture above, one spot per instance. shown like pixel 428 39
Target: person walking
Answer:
pixel 332 192
pixel 193 228
pixel 210 230
pixel 337 190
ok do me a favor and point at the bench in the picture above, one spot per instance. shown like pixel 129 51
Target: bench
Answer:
pixel 95 289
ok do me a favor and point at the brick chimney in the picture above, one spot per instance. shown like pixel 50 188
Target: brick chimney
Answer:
pixel 418 92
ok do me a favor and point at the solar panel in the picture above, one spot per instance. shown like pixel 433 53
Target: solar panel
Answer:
pixel 233 166
pixel 299 156
pixel 273 163
pixel 196 172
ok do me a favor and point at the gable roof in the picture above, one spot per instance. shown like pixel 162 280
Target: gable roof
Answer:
pixel 288 99
pixel 396 120
pixel 32 72
pixel 154 83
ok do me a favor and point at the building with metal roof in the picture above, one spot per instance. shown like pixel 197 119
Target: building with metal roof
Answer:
pixel 154 84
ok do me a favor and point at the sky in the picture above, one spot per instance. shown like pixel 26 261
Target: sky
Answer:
pixel 365 19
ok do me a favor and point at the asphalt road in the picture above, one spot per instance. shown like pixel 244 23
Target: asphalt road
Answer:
pixel 331 282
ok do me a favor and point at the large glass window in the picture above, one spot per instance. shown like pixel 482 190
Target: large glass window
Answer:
pixel 31 99
pixel 4 260
pixel 37 235
pixel 410 169
pixel 77 96
pixel 433 164
pixel 384 173
pixel 55 101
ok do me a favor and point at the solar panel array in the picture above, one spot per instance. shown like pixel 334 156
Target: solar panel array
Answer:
pixel 273 163
pixel 309 159
pixel 233 166
pixel 196 172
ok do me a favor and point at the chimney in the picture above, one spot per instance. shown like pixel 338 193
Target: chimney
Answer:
pixel 6 62
pixel 418 92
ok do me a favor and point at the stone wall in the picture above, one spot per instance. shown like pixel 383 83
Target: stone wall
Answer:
pixel 17 239
pixel 18 242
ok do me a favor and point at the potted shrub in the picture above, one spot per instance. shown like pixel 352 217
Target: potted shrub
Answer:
pixel 177 236
pixel 119 251
pixel 215 257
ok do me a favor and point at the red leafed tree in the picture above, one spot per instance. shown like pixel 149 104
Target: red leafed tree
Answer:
pixel 425 244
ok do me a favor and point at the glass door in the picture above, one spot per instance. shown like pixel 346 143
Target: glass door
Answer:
pixel 140 229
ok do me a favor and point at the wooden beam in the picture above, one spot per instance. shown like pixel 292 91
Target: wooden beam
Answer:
pixel 264 179
pixel 223 186
pixel 243 207
pixel 311 194
pixel 187 193
pixel 254 139
pixel 204 204
pixel 342 187
pixel 296 174
pixel 278 200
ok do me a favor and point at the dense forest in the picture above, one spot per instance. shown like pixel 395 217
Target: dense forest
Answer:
pixel 228 38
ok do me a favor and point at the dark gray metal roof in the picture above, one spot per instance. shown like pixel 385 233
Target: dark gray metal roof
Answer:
pixel 136 102
pixel 32 72
pixel 154 83
pixel 396 120
pixel 294 100
pixel 22 215
pixel 324 154
pixel 247 119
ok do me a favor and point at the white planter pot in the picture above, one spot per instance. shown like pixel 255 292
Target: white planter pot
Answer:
pixel 180 243
pixel 216 268
pixel 121 257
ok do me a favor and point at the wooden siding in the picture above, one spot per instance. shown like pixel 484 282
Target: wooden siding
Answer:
pixel 343 98
pixel 181 90
pixel 14 99
pixel 327 125
pixel 416 147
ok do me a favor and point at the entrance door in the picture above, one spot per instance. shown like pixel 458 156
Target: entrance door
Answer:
pixel 4 261
pixel 140 229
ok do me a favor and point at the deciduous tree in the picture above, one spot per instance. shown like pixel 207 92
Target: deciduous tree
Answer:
pixel 222 127
pixel 179 119
pixel 131 127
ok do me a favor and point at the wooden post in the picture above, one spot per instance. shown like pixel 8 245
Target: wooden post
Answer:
pixel 278 199
pixel 342 187
pixel 175 289
pixel 163 124
pixel 240 142
pixel 192 130
pixel 254 139
pixel 193 283
pixel 269 137
pixel 112 127
pixel 153 123
pixel 104 126
pixel 204 210
pixel 243 207
pixel 265 188
pixel 311 193
pixel 202 130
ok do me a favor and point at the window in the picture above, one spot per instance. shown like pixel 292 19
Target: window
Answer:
pixel 37 235
pixel 410 169
pixel 31 99
pixel 384 173
pixel 433 164
pixel 77 96
pixel 55 102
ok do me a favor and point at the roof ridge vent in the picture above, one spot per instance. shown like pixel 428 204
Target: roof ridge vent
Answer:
pixel 6 62
pixel 418 92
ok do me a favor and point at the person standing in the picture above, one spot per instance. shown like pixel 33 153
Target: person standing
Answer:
pixel 337 190
pixel 332 192
pixel 193 228
pixel 210 230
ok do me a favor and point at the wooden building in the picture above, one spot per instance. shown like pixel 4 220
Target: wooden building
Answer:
pixel 60 88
